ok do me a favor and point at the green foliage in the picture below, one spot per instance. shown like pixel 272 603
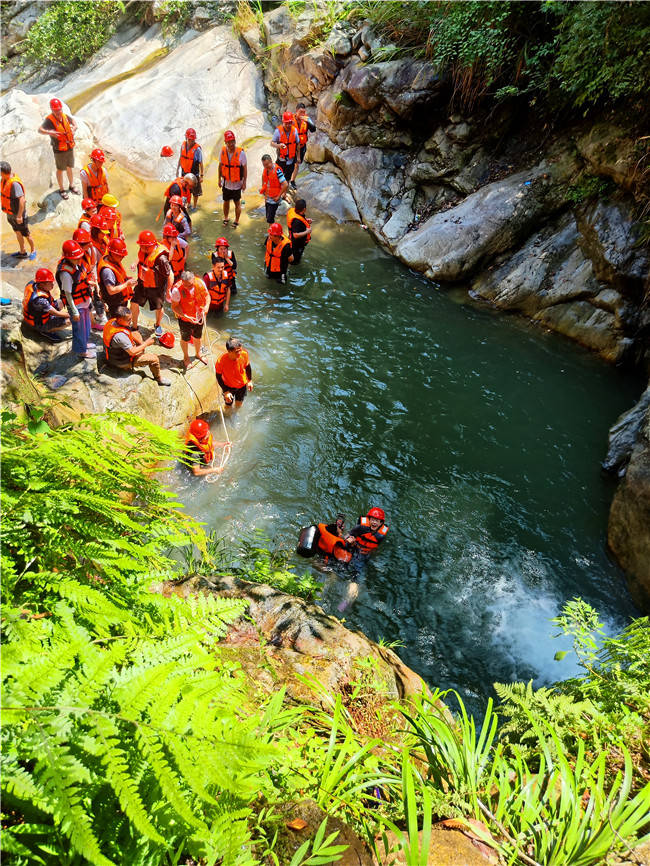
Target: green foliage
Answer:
pixel 70 31
pixel 323 850
pixel 174 15
pixel 588 187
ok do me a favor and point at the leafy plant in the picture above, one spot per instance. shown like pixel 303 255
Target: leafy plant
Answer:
pixel 322 849
pixel 70 31
pixel 174 15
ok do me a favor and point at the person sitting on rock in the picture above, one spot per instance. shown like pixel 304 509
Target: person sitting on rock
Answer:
pixel 94 182
pixel 13 204
pixel 233 371
pixel 126 350
pixel 190 302
pixel 218 286
pixel 277 254
pixel 190 161
pixel 274 186
pixel 222 251
pixel 40 310
pixel 299 229
pixel 177 249
pixel 177 217
pixel 116 289
pixel 200 449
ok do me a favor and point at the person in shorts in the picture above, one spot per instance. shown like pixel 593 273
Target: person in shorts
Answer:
pixel 233 172
pixel 61 129
pixel 155 278
pixel 190 302
pixel 233 371
pixel 13 204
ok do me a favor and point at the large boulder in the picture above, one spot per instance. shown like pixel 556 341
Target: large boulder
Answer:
pixel 611 151
pixel 17 18
pixel 404 86
pixel 623 435
pixel 324 190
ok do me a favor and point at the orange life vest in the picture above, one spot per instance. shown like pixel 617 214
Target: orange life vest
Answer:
pixel 80 288
pixel 191 304
pixel 186 192
pixel 293 215
pixel 31 292
pixel 332 544
pixel 205 446
pixel 177 221
pixel 97 183
pixel 229 271
pixel 6 191
pixel 369 540
pixel 218 289
pixel 186 159
pixel 231 170
pixel 62 126
pixel 273 258
pixel 303 130
pixel 146 273
pixel 111 328
pixel 115 231
pixel 120 277
pixel 271 185
pixel 290 140
pixel 100 245
pixel 177 258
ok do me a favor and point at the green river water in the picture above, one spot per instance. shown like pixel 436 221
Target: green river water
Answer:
pixel 479 435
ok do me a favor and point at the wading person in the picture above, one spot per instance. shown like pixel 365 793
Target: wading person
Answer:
pixel 108 211
pixel 287 145
pixel 177 217
pixel 177 249
pixel 218 286
pixel 71 277
pixel 40 311
pixel 299 229
pixel 190 161
pixel 277 254
pixel 233 371
pixel 155 279
pixel 116 289
pixel 126 350
pixel 94 183
pixel 222 251
pixel 274 186
pixel 199 449
pixel 13 204
pixel 61 129
pixel 190 302
pixel 182 186
pixel 233 172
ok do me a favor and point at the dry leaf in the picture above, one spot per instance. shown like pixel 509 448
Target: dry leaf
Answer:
pixel 296 824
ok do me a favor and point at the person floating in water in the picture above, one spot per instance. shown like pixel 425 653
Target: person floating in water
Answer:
pixel 370 531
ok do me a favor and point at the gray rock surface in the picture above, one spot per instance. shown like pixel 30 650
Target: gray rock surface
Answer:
pixel 624 434
pixel 325 191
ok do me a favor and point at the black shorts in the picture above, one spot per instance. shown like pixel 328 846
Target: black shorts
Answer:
pixel 238 393
pixel 287 168
pixel 190 329
pixel 22 228
pixel 231 194
pixel 198 189
pixel 156 297
pixel 271 210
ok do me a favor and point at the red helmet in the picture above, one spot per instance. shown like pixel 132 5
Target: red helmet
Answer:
pixel 170 231
pixel 287 117
pixel 176 199
pixel 190 133
pixel 275 229
pixel 229 135
pixel 117 246
pixel 377 512
pixel 167 340
pixel 72 250
pixel 146 239
pixel 56 104
pixel 44 275
pixel 98 222
pixel 88 204
pixel 166 150
pixel 81 236
pixel 199 428
pixel 98 155
pixel 220 242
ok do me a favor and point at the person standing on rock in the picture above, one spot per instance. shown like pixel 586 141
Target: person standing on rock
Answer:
pixel 75 289
pixel 190 161
pixel 277 254
pixel 233 371
pixel 286 142
pixel 61 129
pixel 126 350
pixel 299 229
pixel 39 307
pixel 155 279
pixel 13 204
pixel 190 302
pixel 233 173
pixel 116 289
pixel 274 186
pixel 94 183
pixel 304 125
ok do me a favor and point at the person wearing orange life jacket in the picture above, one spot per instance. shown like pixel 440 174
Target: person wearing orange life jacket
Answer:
pixel 108 211
pixel 218 286
pixel 40 310
pixel 222 251
pixel 233 372
pixel 71 278
pixel 369 532
pixel 126 350
pixel 89 261
pixel 233 174
pixel 274 186
pixel 190 161
pixel 61 129
pixel 155 278
pixel 89 208
pixel 304 126
pixel 184 187
pixel 176 217
pixel 190 303
pixel 286 142
pixel 94 183
pixel 277 254
pixel 177 249
pixel 115 287
pixel 299 229
pixel 13 204
pixel 199 449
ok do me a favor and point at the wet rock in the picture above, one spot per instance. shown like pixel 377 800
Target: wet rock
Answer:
pixel 592 327
pixel 325 191
pixel 623 435
pixel 289 840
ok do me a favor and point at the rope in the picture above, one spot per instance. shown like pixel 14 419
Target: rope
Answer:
pixel 225 452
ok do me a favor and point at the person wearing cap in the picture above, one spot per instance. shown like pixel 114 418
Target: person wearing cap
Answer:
pixel 190 161
pixel 286 142
pixel 274 186
pixel 61 129
pixel 304 125
pixel 125 348
pixel 177 217
pixel 40 310
pixel 199 449
pixel 233 172
pixel 155 278
pixel 13 204
pixel 222 251
pixel 108 211
pixel 71 279
pixel 277 254
pixel 94 182
pixel 369 532
pixel 177 249
pixel 233 371
pixel 89 210
pixel 190 302
pixel 116 289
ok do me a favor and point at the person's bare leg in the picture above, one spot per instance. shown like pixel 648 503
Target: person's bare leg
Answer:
pixel 21 242
pixel 159 315
pixel 68 171
pixel 237 210
pixel 59 177
pixel 31 243
pixel 135 314
pixel 186 354
pixel 226 209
